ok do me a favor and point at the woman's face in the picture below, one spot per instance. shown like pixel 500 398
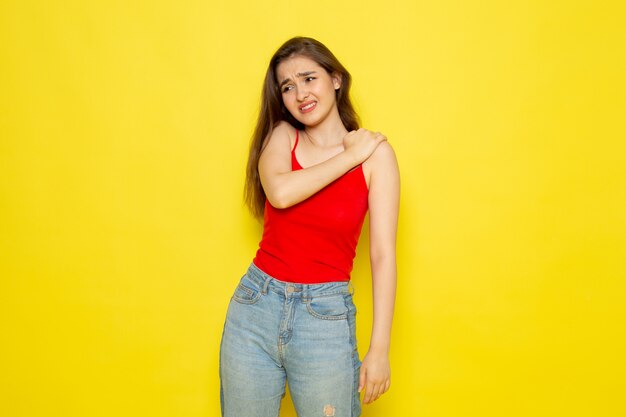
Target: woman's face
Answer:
pixel 308 91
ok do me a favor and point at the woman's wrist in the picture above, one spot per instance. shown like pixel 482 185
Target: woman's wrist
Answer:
pixel 351 158
pixel 379 348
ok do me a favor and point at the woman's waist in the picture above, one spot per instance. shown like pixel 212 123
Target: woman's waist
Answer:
pixel 303 270
pixel 263 280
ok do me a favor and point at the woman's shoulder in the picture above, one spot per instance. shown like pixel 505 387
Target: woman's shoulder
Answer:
pixel 284 128
pixel 383 156
pixel 384 151
pixel 382 160
pixel 284 132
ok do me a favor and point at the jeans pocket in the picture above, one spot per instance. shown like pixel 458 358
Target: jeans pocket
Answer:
pixel 246 294
pixel 328 307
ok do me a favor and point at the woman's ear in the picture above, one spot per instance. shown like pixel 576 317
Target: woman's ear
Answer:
pixel 336 77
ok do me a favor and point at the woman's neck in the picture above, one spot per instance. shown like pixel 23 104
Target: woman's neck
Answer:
pixel 327 134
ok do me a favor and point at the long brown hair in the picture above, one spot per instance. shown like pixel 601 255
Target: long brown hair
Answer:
pixel 273 110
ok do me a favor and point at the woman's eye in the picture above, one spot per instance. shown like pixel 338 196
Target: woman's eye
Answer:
pixel 310 78
pixel 285 89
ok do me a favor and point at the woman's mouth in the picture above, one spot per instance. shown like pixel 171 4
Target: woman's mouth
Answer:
pixel 307 107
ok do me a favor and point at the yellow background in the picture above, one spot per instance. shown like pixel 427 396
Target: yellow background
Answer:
pixel 124 131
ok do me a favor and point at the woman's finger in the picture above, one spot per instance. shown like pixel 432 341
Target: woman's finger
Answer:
pixel 379 391
pixel 361 379
pixel 369 393
pixel 380 138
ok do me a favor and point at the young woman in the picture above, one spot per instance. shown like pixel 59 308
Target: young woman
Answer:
pixel 312 175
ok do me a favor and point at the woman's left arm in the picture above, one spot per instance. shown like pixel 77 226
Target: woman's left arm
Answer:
pixel 383 200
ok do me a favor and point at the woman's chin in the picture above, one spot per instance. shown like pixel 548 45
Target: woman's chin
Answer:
pixel 309 120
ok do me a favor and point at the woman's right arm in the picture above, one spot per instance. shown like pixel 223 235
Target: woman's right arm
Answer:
pixel 284 187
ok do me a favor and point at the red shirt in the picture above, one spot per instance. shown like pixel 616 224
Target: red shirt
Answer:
pixel 315 240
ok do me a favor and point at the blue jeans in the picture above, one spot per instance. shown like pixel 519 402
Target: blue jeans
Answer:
pixel 277 331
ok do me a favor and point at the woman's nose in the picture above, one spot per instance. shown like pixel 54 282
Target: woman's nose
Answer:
pixel 302 94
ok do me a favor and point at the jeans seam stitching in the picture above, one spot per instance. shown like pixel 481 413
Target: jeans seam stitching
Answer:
pixel 322 317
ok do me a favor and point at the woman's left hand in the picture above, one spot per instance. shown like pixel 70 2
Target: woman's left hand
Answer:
pixel 374 376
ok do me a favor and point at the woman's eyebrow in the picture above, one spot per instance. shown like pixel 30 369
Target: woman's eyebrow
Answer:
pixel 300 74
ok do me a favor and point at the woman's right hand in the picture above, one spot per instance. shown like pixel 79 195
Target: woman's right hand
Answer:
pixel 362 143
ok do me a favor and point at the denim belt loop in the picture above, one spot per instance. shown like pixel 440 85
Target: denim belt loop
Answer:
pixel 350 287
pixel 306 292
pixel 266 285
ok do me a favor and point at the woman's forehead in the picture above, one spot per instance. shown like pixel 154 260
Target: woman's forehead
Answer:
pixel 294 65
